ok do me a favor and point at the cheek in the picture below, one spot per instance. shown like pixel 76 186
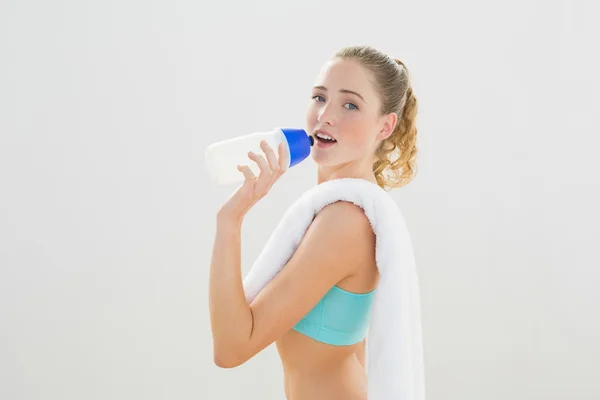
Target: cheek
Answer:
pixel 355 124
pixel 357 129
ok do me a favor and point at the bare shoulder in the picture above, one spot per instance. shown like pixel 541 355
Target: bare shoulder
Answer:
pixel 344 215
pixel 343 231
pixel 353 235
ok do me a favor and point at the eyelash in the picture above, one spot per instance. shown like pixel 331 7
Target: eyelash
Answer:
pixel 355 106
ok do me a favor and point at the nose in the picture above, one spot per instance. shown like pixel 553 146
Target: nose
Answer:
pixel 326 115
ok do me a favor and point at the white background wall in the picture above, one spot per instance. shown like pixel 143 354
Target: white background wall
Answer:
pixel 107 213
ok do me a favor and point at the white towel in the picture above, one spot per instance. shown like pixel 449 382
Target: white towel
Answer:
pixel 394 354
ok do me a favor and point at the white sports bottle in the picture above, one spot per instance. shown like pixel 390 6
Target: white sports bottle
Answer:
pixel 222 158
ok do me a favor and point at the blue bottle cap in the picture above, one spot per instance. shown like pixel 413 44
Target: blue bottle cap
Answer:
pixel 299 143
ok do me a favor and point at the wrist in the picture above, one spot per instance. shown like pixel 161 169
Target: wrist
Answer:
pixel 225 216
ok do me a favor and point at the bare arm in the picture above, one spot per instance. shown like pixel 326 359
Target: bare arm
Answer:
pixel 334 246
pixel 230 314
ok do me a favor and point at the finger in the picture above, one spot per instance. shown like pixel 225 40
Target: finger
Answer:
pixel 284 158
pixel 261 162
pixel 265 179
pixel 271 156
pixel 248 174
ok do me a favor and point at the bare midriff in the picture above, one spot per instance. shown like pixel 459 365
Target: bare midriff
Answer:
pixel 314 370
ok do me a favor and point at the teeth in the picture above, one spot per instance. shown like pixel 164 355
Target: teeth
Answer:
pixel 323 136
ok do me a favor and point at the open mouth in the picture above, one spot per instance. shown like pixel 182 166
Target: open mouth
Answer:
pixel 323 138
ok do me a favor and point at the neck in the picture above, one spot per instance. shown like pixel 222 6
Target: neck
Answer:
pixel 352 169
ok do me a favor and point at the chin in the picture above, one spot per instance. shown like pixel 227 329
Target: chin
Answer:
pixel 322 159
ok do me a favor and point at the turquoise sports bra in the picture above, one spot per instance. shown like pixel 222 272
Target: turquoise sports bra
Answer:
pixel 340 318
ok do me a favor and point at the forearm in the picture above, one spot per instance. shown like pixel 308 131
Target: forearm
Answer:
pixel 230 315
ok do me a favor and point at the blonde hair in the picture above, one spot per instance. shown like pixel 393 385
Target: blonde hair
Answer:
pixel 396 164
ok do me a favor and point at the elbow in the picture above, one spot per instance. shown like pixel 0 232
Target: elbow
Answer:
pixel 227 359
pixel 226 363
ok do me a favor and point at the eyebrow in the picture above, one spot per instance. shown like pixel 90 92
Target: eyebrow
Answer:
pixel 323 88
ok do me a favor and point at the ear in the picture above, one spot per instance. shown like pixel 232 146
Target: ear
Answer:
pixel 389 123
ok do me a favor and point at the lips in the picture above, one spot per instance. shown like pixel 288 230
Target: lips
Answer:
pixel 320 132
pixel 324 143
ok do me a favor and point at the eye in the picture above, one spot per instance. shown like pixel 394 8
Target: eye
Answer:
pixel 316 97
pixel 353 105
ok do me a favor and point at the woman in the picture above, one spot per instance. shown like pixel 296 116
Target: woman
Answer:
pixel 362 117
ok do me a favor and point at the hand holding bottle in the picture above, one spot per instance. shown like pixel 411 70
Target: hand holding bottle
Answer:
pixel 254 188
pixel 223 157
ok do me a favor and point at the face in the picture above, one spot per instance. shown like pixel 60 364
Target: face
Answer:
pixel 345 106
